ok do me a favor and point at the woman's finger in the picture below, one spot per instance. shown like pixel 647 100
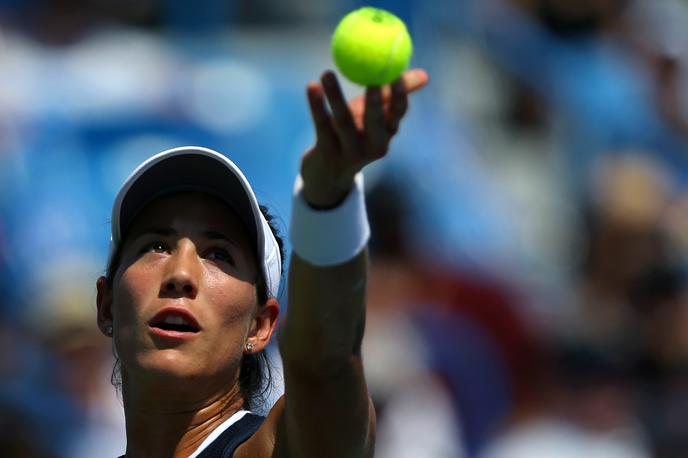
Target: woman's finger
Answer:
pixel 397 107
pixel 343 121
pixel 374 122
pixel 321 119
pixel 415 79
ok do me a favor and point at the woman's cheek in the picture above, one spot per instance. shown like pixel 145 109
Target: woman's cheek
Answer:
pixel 135 290
pixel 233 298
pixel 238 304
pixel 139 284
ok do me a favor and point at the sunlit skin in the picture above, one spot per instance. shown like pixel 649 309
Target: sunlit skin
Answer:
pixel 190 251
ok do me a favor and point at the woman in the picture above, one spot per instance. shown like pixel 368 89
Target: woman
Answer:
pixel 190 294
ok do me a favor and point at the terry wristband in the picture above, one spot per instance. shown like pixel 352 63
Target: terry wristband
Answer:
pixel 333 236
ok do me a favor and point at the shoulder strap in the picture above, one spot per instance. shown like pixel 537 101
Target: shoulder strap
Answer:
pixel 227 442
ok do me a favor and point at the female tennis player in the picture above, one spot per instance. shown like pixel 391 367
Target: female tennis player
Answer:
pixel 190 295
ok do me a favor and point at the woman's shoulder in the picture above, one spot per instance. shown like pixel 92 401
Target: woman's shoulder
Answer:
pixel 224 441
pixel 264 442
pixel 224 445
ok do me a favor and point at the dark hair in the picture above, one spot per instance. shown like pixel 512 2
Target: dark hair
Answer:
pixel 255 374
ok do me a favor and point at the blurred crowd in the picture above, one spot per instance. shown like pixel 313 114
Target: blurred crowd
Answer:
pixel 528 282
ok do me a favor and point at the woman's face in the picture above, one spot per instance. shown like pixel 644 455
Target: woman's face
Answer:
pixel 183 300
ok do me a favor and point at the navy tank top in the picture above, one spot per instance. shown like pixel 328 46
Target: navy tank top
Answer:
pixel 231 438
pixel 227 442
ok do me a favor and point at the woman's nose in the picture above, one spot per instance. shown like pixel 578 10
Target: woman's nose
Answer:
pixel 182 270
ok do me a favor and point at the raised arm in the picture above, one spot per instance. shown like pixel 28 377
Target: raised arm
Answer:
pixel 327 411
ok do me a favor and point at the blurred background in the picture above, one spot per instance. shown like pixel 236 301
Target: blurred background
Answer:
pixel 528 292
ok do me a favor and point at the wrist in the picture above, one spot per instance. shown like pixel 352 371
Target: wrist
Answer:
pixel 325 197
pixel 326 237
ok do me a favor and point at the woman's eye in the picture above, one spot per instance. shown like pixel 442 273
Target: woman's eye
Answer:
pixel 155 247
pixel 219 254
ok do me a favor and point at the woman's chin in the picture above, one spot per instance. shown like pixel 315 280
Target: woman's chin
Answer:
pixel 172 370
pixel 169 365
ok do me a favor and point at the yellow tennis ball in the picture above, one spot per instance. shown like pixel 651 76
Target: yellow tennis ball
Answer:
pixel 371 46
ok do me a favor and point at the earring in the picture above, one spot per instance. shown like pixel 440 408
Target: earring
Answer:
pixel 108 329
pixel 249 347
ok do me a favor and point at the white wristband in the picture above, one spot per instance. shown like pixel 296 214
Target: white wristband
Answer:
pixel 329 237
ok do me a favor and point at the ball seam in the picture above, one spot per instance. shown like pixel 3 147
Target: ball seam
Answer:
pixel 392 51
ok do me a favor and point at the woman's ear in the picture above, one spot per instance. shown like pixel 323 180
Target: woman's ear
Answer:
pixel 263 326
pixel 104 305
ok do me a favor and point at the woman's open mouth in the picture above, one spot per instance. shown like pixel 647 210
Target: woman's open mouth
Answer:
pixel 173 322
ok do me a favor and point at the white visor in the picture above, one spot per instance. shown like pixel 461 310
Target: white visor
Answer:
pixel 192 168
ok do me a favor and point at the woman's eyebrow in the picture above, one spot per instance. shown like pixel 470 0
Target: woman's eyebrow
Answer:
pixel 159 231
pixel 170 232
pixel 215 235
pixel 165 231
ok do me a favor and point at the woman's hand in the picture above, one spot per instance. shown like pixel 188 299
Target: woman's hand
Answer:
pixel 354 135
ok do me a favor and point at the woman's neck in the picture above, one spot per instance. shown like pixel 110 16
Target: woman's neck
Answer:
pixel 164 425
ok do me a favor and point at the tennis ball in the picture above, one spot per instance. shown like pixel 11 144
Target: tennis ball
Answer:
pixel 371 46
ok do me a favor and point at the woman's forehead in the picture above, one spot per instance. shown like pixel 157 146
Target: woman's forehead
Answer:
pixel 190 212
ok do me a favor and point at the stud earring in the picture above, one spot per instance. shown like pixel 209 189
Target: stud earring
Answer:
pixel 249 347
pixel 108 329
